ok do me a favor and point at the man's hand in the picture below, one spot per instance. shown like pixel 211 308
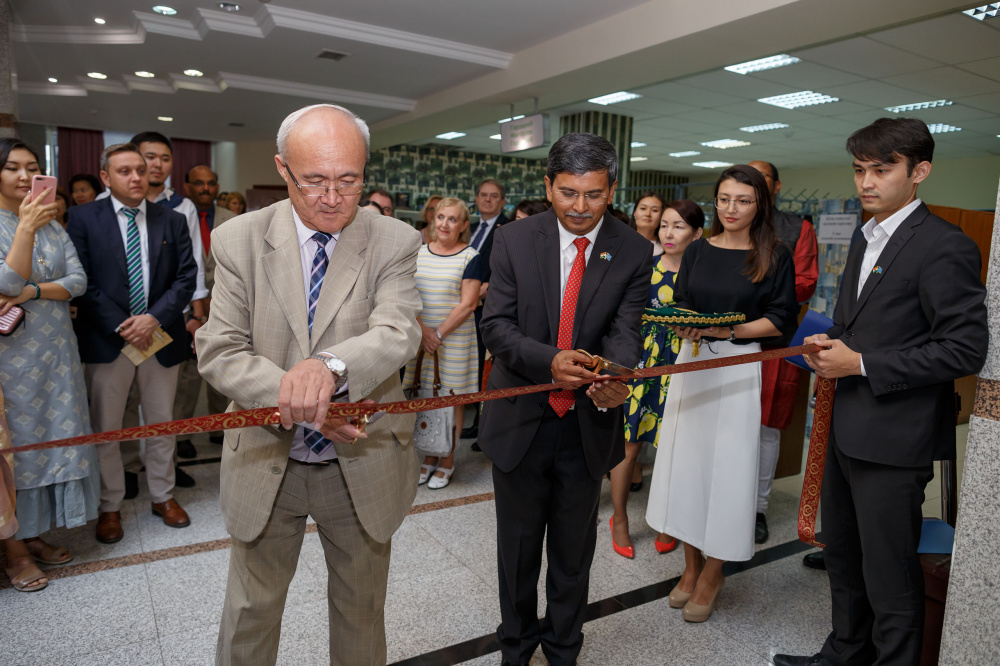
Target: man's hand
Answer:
pixel 568 366
pixel 429 339
pixel 482 291
pixel 138 330
pixel 607 394
pixel 343 429
pixel 835 361
pixel 304 394
pixel 192 325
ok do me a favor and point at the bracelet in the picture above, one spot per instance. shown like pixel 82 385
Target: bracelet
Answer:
pixel 438 333
pixel 38 291
pixel 732 333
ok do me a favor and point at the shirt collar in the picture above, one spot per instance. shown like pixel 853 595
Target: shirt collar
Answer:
pixel 890 224
pixel 566 237
pixel 118 205
pixel 165 194
pixel 490 221
pixel 303 232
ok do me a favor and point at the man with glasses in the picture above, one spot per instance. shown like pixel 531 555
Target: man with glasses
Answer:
pixel 571 278
pixel 315 300
pixel 383 199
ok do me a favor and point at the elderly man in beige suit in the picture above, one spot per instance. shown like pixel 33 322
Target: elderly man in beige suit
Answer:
pixel 281 334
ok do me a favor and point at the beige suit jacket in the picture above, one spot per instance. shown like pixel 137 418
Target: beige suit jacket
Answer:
pixel 366 315
pixel 221 215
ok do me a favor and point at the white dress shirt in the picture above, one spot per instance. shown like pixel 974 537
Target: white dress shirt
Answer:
pixel 567 254
pixel 140 222
pixel 489 226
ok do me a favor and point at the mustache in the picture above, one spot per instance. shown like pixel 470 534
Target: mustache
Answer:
pixel 580 216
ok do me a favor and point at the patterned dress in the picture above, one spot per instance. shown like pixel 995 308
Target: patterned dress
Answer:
pixel 439 281
pixel 644 405
pixel 43 387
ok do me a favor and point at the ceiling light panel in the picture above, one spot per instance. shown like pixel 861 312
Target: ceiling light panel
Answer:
pixel 193 72
pixel 507 120
pixel 53 79
pixel 686 153
pixel 984 11
pixel 451 135
pixel 99 21
pixel 166 119
pixel 917 106
pixel 163 9
pixel 495 137
pixel 939 128
pixel 638 159
pixel 144 74
pixel 772 62
pixel 712 165
pixel 723 144
pixel 614 98
pixel 638 144
pixel 97 75
pixel 795 100
pixel 763 128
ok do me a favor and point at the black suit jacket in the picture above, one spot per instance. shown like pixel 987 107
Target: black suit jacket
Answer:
pixel 94 230
pixel 919 325
pixel 520 327
pixel 486 250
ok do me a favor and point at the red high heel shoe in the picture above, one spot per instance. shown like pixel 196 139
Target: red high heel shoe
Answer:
pixel 662 547
pixel 624 551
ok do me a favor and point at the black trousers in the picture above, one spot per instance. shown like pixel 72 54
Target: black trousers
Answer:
pixel 550 490
pixel 871 525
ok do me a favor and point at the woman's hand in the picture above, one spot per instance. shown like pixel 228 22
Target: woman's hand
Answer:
pixel 430 340
pixel 688 332
pixel 34 215
pixel 7 302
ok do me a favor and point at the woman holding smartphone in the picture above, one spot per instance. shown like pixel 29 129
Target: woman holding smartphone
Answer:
pixel 40 372
pixel 705 475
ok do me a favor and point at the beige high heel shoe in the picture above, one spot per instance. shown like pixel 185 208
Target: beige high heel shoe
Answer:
pixel 678 597
pixel 701 612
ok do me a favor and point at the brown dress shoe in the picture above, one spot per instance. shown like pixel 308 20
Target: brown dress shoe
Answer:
pixel 109 527
pixel 172 513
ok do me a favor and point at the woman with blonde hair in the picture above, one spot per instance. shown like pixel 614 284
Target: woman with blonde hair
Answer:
pixel 426 224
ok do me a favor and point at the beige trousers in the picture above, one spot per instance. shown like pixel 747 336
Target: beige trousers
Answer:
pixel 261 570
pixel 108 386
pixel 188 390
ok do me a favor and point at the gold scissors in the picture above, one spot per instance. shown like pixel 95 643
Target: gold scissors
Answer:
pixel 604 366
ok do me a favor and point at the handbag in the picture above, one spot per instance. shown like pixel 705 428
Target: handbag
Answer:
pixel 10 321
pixel 434 431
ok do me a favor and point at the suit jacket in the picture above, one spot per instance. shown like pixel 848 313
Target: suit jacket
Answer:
pixel 93 227
pixel 520 327
pixel 919 324
pixel 221 215
pixel 487 247
pixel 366 315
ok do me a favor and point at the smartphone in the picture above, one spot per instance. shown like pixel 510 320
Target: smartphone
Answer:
pixel 39 183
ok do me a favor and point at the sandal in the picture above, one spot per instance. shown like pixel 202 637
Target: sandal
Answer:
pixel 46 553
pixel 29 573
pixel 437 482
pixel 425 473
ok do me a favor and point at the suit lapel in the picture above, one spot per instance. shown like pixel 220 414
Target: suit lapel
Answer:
pixel 109 226
pixel 155 233
pixel 607 241
pixel 345 266
pixel 283 266
pixel 547 252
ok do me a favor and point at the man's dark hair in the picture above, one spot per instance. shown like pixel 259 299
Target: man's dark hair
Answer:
pixel 187 174
pixel 888 139
pixel 152 137
pixel 774 171
pixel 579 153
pixel 384 192
pixel 493 181
pixel 118 148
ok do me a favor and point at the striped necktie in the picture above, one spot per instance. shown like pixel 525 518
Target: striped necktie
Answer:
pixel 133 256
pixel 316 442
pixel 480 232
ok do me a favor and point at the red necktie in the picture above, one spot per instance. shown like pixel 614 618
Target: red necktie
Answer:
pixel 561 401
pixel 206 233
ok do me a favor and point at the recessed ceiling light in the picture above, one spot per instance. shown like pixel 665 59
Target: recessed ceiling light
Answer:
pixel 795 100
pixel 166 119
pixel 638 159
pixel 163 9
pixel 144 74
pixel 193 72
pixel 919 105
pixel 638 144
pixel 725 143
pixel 507 120
pixel 52 79
pixel 983 11
pixel 712 165
pixel 229 6
pixel 97 75
pixel 450 135
pixel 772 62
pixel 496 137
pixel 938 128
pixel 99 21
pixel 763 128
pixel 614 98
pixel 686 153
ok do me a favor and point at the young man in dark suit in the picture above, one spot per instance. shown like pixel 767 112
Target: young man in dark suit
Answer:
pixel 911 318
pixel 567 279
pixel 141 274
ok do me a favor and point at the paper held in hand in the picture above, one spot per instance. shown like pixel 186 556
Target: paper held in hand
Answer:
pixel 159 340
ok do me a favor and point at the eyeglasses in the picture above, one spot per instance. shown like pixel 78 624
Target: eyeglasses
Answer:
pixel 741 204
pixel 344 190
pixel 569 197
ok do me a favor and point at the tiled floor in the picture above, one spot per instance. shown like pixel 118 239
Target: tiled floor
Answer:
pixel 159 596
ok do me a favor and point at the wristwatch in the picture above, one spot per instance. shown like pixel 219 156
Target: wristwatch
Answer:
pixel 334 364
pixel 732 333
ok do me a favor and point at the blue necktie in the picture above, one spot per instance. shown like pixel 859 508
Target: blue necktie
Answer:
pixel 480 232
pixel 316 442
pixel 133 257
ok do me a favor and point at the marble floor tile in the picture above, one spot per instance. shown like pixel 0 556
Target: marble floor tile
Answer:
pixel 190 648
pixel 85 546
pixel 473 475
pixel 146 653
pixel 202 505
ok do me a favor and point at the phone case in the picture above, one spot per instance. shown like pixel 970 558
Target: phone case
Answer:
pixel 10 321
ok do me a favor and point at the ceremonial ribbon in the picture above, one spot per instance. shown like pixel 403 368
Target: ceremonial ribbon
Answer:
pixel 268 416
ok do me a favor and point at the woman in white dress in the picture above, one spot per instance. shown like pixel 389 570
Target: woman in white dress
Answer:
pixel 705 474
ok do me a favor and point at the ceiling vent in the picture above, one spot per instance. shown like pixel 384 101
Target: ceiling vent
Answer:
pixel 336 56
pixel 236 124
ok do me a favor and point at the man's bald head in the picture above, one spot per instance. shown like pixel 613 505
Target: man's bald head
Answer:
pixel 770 173
pixel 202 186
pixel 309 119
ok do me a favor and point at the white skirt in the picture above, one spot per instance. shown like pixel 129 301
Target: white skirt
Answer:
pixel 704 485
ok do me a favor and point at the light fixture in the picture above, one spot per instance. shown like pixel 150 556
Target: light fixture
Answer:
pixel 983 11
pixel 97 75
pixel 712 165
pixel 795 100
pixel 166 119
pixel 144 74
pixel 614 98
pixel 638 159
pixel 938 128
pixel 723 144
pixel 919 105
pixel 771 62
pixel 99 21
pixel 52 79
pixel 507 120
pixel 686 153
pixel 193 72
pixel 448 136
pixel 163 9
pixel 638 144
pixel 763 128
pixel 496 137
pixel 229 6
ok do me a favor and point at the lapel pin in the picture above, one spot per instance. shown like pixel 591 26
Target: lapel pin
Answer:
pixel 606 256
pixel 877 269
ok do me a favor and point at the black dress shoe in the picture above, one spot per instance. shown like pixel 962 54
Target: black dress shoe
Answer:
pixel 182 479
pixel 186 450
pixel 789 660
pixel 470 433
pixel 131 485
pixel 475 446
pixel 635 487
pixel 760 531
pixel 815 561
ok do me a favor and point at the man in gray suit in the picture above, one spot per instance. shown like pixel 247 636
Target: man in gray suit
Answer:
pixel 281 334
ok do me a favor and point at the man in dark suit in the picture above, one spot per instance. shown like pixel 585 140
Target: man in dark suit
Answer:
pixel 141 274
pixel 910 319
pixel 570 278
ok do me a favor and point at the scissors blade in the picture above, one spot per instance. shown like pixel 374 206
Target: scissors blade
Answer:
pixel 614 368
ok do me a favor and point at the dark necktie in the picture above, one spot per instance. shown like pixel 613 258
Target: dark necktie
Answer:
pixel 316 442
pixel 561 401
pixel 480 232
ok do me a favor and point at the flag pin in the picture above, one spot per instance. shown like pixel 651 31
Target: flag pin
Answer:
pixel 606 256
pixel 877 269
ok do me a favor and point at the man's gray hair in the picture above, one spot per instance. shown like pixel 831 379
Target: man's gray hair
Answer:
pixel 289 122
